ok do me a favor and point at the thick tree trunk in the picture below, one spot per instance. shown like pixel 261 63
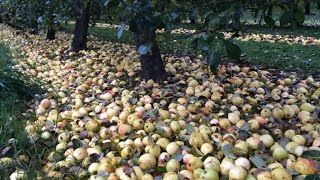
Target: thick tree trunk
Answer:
pixel 152 66
pixel 51 34
pixel 307 8
pixel 79 41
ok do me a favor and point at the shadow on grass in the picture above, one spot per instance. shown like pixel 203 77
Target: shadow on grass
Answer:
pixel 282 56
pixel 16 90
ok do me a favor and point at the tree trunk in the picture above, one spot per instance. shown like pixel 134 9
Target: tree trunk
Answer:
pixel 307 8
pixel 51 34
pixel 79 41
pixel 318 3
pixel 192 21
pixel 152 66
pixel 269 13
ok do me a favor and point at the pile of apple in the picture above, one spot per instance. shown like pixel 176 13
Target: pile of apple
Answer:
pixel 290 39
pixel 240 123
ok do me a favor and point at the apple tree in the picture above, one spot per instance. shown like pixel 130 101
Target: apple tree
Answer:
pixel 54 13
pixel 145 17
pixel 20 14
pixel 35 15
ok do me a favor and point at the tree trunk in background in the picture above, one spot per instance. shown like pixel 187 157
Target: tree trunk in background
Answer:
pixel 152 66
pixel 79 41
pixel 318 3
pixel 193 17
pixel 269 13
pixel 51 34
pixel 307 8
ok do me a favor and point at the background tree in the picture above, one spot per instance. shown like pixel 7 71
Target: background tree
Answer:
pixel 21 14
pixel 86 11
pixel 35 15
pixel 55 13
pixel 79 41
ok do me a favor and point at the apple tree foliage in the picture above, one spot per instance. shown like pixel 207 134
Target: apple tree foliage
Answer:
pixel 292 12
pixel 22 14
pixel 35 15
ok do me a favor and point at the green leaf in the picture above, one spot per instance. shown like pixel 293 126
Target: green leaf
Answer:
pixel 76 143
pixel 207 155
pixel 301 5
pixel 154 3
pixel 122 162
pixel 233 50
pixel 149 114
pixel 178 157
pixel 293 172
pixel 190 129
pixel 299 17
pixel 238 152
pixel 135 161
pixel 270 22
pixel 312 154
pixel 258 162
pixel 212 20
pixel 196 152
pixel 160 169
pixel 213 61
pixel 312 177
pixel 245 127
pixel 286 18
pixel 227 151
pixel 102 174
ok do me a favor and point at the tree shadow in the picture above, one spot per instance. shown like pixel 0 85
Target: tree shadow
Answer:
pixel 308 31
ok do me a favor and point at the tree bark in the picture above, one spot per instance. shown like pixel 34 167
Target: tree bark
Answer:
pixel 79 41
pixel 152 66
pixel 307 8
pixel 51 34
pixel 269 13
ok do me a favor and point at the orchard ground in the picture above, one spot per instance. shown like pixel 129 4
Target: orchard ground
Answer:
pixel 101 87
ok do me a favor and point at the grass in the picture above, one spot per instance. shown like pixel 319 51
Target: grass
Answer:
pixel 15 93
pixel 12 81
pixel 282 55
pixel 307 31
